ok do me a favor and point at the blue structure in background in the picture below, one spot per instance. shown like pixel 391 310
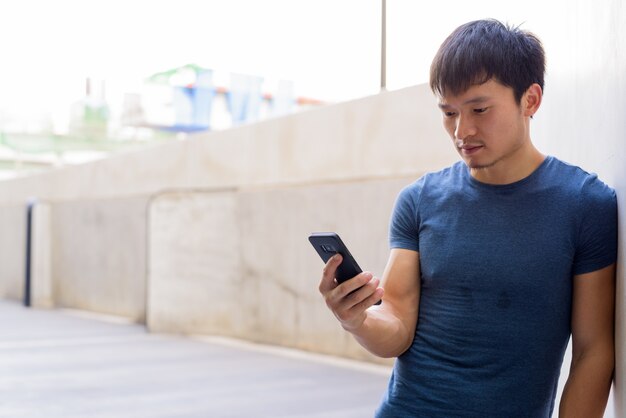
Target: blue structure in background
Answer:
pixel 192 104
pixel 188 93
pixel 192 96
pixel 244 98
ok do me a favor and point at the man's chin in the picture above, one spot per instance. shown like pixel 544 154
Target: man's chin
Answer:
pixel 478 165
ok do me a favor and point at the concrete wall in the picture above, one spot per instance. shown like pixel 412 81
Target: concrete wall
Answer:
pixel 42 287
pixel 99 255
pixel 196 278
pixel 12 251
pixel 238 262
pixel 91 238
pixel 583 120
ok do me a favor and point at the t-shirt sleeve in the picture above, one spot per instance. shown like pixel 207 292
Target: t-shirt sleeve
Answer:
pixel 597 241
pixel 404 224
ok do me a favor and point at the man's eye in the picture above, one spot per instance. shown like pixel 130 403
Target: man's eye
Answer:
pixel 480 110
pixel 449 114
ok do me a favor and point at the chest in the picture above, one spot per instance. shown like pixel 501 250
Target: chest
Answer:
pixel 503 242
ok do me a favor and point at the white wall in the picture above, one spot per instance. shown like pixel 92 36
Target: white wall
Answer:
pixel 583 117
pixel 12 251
pixel 98 251
pixel 238 262
pixel 94 249
pixel 42 292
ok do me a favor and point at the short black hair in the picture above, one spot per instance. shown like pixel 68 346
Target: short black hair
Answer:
pixel 484 49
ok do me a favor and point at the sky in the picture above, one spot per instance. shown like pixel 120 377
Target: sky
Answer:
pixel 330 49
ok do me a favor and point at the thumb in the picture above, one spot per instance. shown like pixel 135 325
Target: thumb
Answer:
pixel 328 275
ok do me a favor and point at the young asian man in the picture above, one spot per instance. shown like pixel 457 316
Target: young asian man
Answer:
pixel 496 260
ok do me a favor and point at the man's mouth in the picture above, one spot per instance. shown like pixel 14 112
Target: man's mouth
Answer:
pixel 468 149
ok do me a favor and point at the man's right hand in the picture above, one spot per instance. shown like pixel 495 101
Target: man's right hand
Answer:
pixel 349 300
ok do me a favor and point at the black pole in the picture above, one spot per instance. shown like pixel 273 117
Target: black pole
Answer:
pixel 29 230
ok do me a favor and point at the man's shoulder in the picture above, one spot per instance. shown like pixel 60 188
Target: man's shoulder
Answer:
pixel 433 180
pixel 565 170
pixel 575 179
pixel 444 175
pixel 432 183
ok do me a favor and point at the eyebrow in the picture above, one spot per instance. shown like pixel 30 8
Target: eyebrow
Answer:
pixel 473 100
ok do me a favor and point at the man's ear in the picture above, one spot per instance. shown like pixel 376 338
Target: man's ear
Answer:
pixel 532 100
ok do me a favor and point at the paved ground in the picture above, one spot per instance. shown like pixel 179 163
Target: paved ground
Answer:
pixel 64 364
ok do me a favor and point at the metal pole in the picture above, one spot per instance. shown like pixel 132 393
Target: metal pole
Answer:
pixel 383 48
pixel 29 251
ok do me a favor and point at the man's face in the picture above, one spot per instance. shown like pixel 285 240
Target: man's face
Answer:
pixel 487 125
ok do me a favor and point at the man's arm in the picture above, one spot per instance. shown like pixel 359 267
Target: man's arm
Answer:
pixel 593 353
pixel 386 330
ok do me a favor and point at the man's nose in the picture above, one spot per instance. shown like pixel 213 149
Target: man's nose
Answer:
pixel 464 127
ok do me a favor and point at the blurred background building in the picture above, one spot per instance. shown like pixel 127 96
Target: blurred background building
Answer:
pixel 82 80
pixel 168 105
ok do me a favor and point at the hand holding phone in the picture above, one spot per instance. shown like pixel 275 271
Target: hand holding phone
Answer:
pixel 327 244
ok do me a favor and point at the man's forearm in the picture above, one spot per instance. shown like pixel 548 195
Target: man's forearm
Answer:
pixel 382 334
pixel 588 386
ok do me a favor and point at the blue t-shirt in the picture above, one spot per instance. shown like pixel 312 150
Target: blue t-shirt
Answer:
pixel 496 263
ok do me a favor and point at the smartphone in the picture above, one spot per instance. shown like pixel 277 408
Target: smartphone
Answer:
pixel 327 244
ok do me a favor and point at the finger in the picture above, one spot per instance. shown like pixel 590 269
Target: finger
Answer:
pixel 344 294
pixel 362 293
pixel 376 297
pixel 351 317
pixel 327 283
pixel 368 302
pixel 354 283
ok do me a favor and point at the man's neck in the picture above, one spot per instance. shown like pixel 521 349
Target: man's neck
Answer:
pixel 512 168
